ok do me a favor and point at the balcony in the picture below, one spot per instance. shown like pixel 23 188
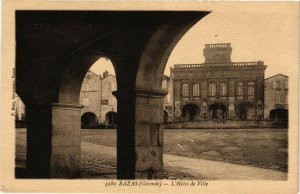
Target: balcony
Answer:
pixel 188 66
pixel 244 64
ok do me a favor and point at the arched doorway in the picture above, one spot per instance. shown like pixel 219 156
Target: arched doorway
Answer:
pixel 280 116
pixel 190 112
pixel 111 119
pixel 279 113
pixel 89 120
pixel 217 111
pixel 245 111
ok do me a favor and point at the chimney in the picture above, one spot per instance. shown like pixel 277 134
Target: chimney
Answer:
pixel 105 74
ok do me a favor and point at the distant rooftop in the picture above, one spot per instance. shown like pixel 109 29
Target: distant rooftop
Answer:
pixel 277 75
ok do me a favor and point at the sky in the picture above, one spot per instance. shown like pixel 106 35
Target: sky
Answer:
pixel 102 65
pixel 256 31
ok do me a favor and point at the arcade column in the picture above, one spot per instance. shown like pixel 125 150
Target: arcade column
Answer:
pixel 149 134
pixel 66 149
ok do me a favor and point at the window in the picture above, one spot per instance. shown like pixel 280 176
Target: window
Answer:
pixel 223 89
pixel 277 84
pixel 240 88
pixel 282 98
pixel 251 89
pixel 185 90
pixel 212 89
pixel 278 98
pixel 286 85
pixel 196 90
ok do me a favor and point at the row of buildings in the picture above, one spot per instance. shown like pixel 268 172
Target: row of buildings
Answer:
pixel 99 105
pixel 217 89
pixel 220 89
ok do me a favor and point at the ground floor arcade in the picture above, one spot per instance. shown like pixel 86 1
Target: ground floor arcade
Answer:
pixel 242 111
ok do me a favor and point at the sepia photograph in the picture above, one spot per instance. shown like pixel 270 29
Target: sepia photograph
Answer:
pixel 150 97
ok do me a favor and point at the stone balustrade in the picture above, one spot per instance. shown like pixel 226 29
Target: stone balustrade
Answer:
pixel 235 64
pixel 256 63
pixel 221 45
pixel 188 66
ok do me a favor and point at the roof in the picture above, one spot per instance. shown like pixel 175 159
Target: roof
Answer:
pixel 276 75
pixel 110 75
pixel 91 72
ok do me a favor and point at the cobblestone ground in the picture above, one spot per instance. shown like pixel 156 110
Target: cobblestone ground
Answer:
pixel 95 163
pixel 264 148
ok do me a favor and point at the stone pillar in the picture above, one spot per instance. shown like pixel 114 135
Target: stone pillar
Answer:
pixel 125 135
pixel 38 118
pixel 125 68
pixel 66 150
pixel 231 99
pixel 149 134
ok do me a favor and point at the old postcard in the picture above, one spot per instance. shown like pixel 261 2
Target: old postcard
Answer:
pixel 149 97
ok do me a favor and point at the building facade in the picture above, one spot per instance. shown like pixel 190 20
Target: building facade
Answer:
pixel 90 98
pixel 99 105
pixel 108 100
pixel 276 103
pixel 218 89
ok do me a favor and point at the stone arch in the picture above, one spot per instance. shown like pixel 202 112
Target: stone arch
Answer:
pixel 111 119
pixel 149 114
pixel 279 114
pixel 190 112
pixel 280 117
pixel 89 120
pixel 74 74
pixel 49 78
pixel 158 49
pixel 245 111
pixel 217 111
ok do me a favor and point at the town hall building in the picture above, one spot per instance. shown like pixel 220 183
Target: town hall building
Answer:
pixel 218 89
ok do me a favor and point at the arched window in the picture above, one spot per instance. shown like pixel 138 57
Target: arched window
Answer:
pixel 240 88
pixel 196 90
pixel 250 88
pixel 185 90
pixel 212 89
pixel 223 89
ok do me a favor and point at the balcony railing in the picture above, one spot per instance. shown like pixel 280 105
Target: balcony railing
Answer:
pixel 221 45
pixel 188 65
pixel 242 64
pixel 234 64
